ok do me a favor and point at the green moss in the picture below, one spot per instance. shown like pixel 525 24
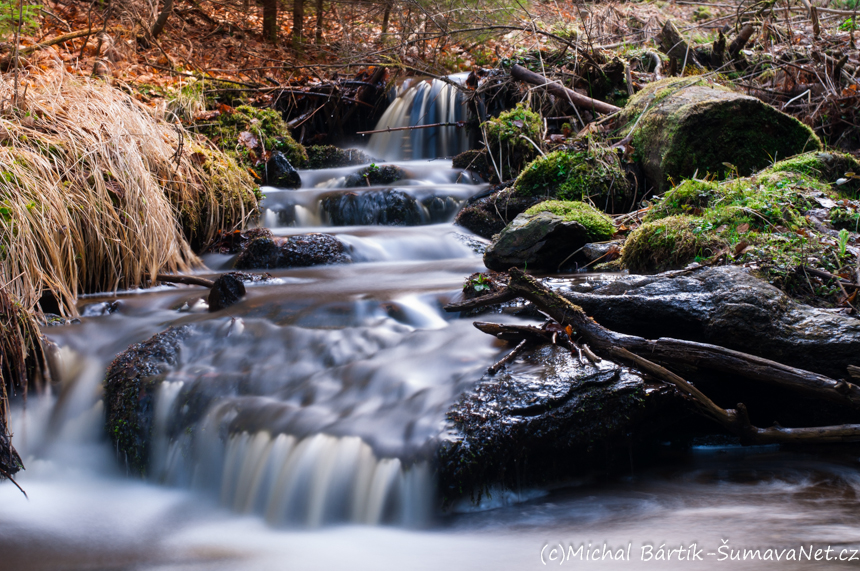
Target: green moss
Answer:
pixel 826 167
pixel 594 174
pixel 512 137
pixel 697 133
pixel 668 243
pixel 267 126
pixel 689 197
pixel 756 220
pixel 598 225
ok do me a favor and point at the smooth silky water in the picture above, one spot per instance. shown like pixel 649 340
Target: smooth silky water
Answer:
pixel 339 378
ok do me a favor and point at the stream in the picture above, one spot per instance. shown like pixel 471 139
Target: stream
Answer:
pixel 325 392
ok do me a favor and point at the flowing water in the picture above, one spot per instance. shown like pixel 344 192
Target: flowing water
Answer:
pixel 319 399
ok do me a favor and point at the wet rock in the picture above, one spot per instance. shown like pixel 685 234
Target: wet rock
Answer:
pixel 605 251
pixel 476 162
pixel 725 306
pixel 296 251
pixel 546 238
pixel 388 207
pixel 227 290
pixel 375 175
pixel 329 157
pixel 488 216
pixel 280 173
pixel 236 241
pixel 130 391
pixel 547 418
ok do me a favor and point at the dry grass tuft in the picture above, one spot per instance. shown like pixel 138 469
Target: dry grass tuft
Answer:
pixel 97 194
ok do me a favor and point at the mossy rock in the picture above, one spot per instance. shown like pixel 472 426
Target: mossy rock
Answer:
pixel 266 125
pixel 130 392
pixel 511 138
pixel 330 157
pixel 594 175
pixel 688 126
pixel 839 169
pixel 546 235
pixel 758 220
pixel 668 244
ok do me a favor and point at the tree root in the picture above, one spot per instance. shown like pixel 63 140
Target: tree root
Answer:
pixel 633 349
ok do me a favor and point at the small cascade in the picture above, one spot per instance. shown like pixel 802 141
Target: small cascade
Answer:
pixel 424 102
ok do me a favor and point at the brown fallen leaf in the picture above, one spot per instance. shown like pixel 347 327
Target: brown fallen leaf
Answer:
pixel 743 228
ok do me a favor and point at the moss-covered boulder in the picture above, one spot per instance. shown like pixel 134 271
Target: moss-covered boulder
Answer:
pixel 330 157
pixel 594 175
pixel 546 235
pixel 513 139
pixel 684 126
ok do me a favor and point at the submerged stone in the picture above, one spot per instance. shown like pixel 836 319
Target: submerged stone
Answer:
pixel 389 207
pixel 329 157
pixel 375 175
pixel 227 290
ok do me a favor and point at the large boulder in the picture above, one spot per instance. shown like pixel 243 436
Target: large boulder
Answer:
pixel 550 418
pixel 296 251
pixel 681 126
pixel 725 306
pixel 546 235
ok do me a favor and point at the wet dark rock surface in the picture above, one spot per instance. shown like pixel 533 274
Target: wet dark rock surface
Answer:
pixel 488 216
pixel 330 157
pixel 295 251
pixel 388 207
pixel 476 162
pixel 130 391
pixel 538 241
pixel 729 307
pixel 227 290
pixel 280 173
pixel 374 175
pixel 549 417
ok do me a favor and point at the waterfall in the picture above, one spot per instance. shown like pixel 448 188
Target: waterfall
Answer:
pixel 423 103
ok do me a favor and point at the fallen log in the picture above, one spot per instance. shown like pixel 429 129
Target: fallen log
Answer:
pixel 667 350
pixel 520 73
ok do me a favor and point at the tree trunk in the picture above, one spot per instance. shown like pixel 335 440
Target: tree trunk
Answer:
pixel 270 20
pixel 318 32
pixel 386 17
pixel 160 22
pixel 298 23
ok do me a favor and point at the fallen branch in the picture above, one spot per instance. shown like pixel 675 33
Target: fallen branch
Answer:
pixel 667 350
pixel 823 274
pixel 412 128
pixel 520 73
pixel 737 420
pixel 187 280
pixel 507 358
